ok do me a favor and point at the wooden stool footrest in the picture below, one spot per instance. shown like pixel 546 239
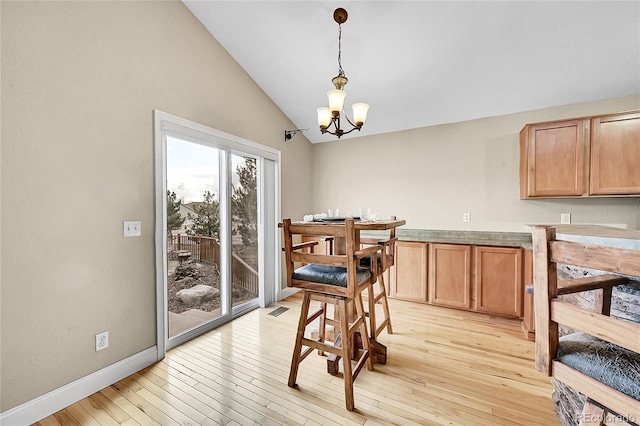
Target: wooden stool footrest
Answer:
pixel 381 327
pixel 361 363
pixel 305 353
pixel 315 315
pixel 315 344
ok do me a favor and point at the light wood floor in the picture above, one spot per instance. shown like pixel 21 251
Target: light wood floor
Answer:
pixel 444 367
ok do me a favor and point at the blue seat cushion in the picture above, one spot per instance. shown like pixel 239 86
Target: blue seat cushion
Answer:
pixel 615 366
pixel 332 275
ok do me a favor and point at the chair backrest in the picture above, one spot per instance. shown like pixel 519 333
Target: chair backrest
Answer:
pixel 583 370
pixel 388 246
pixel 296 253
pixel 550 311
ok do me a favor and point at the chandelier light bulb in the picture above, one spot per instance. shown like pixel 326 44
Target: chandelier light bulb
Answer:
pixel 360 113
pixel 336 100
pixel 324 117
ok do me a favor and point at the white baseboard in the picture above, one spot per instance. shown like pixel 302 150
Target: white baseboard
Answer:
pixel 286 292
pixel 54 401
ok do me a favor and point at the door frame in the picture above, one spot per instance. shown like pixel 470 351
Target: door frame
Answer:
pixel 268 212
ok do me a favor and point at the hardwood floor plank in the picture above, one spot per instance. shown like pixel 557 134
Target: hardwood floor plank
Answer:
pixel 81 415
pixel 225 365
pixel 48 421
pixel 96 412
pixel 444 367
pixel 134 412
pixel 65 418
pixel 128 388
pixel 101 402
pixel 232 404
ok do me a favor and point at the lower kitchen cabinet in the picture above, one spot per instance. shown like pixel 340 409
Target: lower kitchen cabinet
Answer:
pixel 485 279
pixel 498 280
pixel 409 275
pixel 450 275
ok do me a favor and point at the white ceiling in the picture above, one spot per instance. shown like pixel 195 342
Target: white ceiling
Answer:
pixel 423 63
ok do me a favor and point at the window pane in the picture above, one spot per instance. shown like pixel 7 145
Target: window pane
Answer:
pixel 244 222
pixel 193 229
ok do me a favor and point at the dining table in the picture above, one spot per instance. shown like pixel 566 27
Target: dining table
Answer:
pixel 359 225
pixel 379 351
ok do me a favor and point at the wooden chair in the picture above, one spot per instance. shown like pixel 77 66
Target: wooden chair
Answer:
pixel 379 295
pixel 330 279
pixel 581 360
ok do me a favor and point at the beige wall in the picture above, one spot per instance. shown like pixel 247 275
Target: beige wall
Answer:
pixel 80 81
pixel 430 176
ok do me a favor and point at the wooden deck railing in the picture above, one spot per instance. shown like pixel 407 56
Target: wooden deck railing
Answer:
pixel 207 249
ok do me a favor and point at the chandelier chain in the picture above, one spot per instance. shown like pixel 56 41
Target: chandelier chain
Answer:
pixel 340 70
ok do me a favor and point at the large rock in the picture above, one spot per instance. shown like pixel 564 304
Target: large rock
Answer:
pixel 198 294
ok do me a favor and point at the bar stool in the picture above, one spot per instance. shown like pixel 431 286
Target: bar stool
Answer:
pixel 379 295
pixel 330 279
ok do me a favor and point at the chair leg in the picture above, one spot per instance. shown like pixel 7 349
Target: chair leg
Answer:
pixel 385 304
pixel 366 346
pixel 374 299
pixel 346 354
pixel 371 299
pixel 323 326
pixel 297 349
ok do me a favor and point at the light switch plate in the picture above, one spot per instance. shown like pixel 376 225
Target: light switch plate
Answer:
pixel 565 218
pixel 132 228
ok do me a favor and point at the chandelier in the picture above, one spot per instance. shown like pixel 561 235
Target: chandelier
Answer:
pixel 330 116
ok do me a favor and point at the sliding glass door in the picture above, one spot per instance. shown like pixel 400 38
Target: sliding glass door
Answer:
pixel 245 265
pixel 194 287
pixel 211 234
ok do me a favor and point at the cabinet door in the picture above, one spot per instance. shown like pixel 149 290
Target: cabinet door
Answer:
pixel 554 160
pixel 498 280
pixel 450 275
pixel 409 275
pixel 615 154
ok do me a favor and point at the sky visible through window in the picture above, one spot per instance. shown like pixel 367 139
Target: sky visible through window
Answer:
pixel 193 169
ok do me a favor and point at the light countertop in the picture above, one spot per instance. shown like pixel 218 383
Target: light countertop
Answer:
pixel 590 234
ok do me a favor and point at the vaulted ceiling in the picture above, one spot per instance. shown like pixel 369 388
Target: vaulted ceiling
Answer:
pixel 423 63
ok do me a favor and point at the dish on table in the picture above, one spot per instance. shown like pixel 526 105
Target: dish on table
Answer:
pixel 335 219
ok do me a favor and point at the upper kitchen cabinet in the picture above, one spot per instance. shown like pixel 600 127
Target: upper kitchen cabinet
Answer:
pixel 552 159
pixel 581 157
pixel 615 155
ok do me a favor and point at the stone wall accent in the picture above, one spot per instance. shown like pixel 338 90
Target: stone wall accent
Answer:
pixel 625 305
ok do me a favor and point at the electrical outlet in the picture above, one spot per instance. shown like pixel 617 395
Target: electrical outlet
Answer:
pixel 132 228
pixel 565 218
pixel 466 217
pixel 102 341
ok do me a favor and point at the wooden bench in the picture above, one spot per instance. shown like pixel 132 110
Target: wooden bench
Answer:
pixel 602 360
